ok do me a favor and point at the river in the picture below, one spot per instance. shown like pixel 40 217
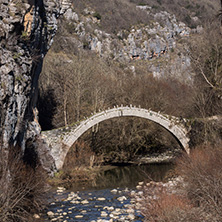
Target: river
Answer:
pixel 109 198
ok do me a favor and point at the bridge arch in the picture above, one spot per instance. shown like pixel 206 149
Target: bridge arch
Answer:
pixel 66 137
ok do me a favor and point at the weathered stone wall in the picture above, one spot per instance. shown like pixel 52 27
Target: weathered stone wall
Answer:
pixel 27 28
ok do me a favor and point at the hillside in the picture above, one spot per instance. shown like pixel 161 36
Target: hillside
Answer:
pixel 125 31
pixel 109 53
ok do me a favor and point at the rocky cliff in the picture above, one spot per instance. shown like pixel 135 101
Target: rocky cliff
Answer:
pixel 27 28
pixel 158 41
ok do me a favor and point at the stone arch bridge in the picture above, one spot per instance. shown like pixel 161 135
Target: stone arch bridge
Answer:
pixel 60 140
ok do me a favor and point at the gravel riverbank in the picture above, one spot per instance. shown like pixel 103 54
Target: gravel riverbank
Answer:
pixel 94 206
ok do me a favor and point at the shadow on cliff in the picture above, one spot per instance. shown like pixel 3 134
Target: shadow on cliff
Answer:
pixel 47 106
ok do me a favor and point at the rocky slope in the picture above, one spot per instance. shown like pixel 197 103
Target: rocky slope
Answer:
pixel 159 42
pixel 141 41
pixel 27 29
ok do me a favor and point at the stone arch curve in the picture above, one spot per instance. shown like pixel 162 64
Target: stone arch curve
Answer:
pixel 66 138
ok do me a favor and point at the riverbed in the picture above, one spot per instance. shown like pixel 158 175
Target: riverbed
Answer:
pixel 109 198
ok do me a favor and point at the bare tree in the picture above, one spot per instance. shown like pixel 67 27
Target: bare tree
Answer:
pixel 206 57
pixel 60 79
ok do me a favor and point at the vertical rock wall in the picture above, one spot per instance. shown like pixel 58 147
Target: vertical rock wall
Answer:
pixel 27 28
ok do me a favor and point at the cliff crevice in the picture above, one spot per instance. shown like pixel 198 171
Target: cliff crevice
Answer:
pixel 27 29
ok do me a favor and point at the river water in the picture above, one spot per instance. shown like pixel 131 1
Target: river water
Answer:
pixel 108 198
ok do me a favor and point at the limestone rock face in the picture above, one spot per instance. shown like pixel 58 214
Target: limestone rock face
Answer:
pixel 27 28
pixel 159 42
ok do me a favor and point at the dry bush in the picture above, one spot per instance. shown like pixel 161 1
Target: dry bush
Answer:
pixel 198 198
pixel 22 191
pixel 168 208
pixel 202 174
pixel 90 84
pixel 206 61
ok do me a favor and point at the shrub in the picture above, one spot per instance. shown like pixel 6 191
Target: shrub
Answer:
pixel 202 173
pixel 22 189
pixel 168 208
pixel 142 4
pixel 200 196
pixel 97 15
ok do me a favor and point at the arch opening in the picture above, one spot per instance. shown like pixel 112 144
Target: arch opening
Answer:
pixel 125 140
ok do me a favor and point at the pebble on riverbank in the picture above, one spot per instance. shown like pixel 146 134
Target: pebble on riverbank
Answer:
pixel 101 198
pixel 104 214
pixel 36 216
pixel 79 216
pixel 121 199
pixel 114 191
pixel 84 202
pixel 50 213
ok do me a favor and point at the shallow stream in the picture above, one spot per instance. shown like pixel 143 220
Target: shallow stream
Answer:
pixel 107 199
